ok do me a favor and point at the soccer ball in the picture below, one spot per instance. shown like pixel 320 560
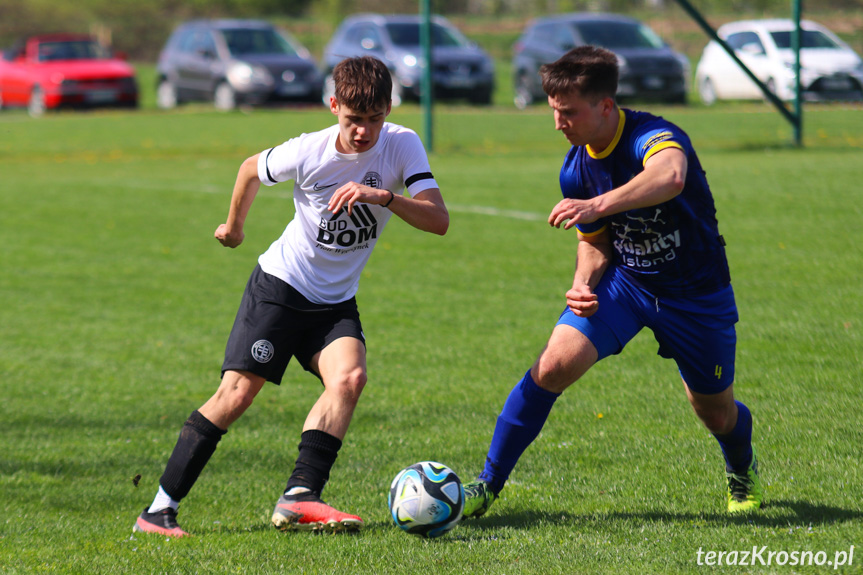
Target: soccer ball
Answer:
pixel 426 499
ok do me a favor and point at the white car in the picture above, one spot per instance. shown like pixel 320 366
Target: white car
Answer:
pixel 829 68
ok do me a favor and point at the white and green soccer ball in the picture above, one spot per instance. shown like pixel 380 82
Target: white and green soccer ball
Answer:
pixel 426 499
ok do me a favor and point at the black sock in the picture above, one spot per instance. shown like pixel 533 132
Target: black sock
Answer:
pixel 197 442
pixel 318 452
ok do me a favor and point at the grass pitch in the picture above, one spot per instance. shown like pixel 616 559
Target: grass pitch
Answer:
pixel 117 302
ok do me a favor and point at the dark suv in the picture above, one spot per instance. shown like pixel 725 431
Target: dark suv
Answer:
pixel 460 68
pixel 649 68
pixel 232 62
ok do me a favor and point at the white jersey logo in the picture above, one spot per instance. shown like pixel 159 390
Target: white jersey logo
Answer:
pixel 356 229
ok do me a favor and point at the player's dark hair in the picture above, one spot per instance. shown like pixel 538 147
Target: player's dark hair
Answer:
pixel 363 84
pixel 589 71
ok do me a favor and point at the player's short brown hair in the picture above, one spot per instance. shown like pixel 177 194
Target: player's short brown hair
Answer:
pixel 363 84
pixel 589 71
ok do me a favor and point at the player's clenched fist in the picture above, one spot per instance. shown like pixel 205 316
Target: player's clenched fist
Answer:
pixel 229 239
pixel 576 211
pixel 582 301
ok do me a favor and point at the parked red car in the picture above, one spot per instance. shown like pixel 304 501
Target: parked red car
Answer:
pixel 46 72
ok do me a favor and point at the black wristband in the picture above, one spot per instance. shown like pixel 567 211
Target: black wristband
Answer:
pixel 392 195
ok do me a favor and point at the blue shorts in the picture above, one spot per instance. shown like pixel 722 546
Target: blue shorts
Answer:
pixel 696 332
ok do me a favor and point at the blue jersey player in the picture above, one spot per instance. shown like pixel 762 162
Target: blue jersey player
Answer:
pixel 649 255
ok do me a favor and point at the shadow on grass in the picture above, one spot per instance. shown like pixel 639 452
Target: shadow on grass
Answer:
pixel 777 513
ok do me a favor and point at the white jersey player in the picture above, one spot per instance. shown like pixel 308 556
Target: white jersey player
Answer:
pixel 299 302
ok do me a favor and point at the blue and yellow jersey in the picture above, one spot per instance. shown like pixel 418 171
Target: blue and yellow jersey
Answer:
pixel 671 249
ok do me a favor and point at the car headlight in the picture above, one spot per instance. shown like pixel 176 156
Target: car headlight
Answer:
pixel 242 75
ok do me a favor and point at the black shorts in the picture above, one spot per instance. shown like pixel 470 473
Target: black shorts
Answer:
pixel 275 322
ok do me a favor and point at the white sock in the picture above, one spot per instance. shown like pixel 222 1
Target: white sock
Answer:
pixel 162 501
pixel 297 490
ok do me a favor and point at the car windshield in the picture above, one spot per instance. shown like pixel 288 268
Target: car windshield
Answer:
pixel 71 50
pixel 246 41
pixel 617 35
pixel 809 39
pixel 408 34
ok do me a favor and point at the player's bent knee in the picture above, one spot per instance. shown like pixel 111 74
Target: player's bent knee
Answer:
pixel 350 385
pixel 555 372
pixel 237 392
pixel 234 400
pixel 551 374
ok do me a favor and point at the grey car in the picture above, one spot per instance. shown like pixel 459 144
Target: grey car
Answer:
pixel 233 62
pixel 649 68
pixel 460 68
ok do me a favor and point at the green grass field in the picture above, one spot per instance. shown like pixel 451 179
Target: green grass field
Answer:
pixel 116 303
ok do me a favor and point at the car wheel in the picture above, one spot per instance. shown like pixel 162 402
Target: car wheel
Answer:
pixel 36 105
pixel 166 95
pixel 224 97
pixel 523 96
pixel 706 91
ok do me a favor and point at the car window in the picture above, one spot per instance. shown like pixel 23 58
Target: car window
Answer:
pixel 808 39
pixel 408 34
pixel 367 36
pixel 186 43
pixel 70 50
pixel 202 43
pixel 246 41
pixel 616 35
pixel 561 37
pixel 738 40
pixel 542 32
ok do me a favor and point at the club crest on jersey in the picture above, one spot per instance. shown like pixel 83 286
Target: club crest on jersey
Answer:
pixel 372 180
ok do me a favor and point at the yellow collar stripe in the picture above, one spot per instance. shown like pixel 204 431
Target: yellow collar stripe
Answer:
pixel 607 151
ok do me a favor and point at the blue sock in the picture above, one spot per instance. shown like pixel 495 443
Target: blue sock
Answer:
pixel 520 421
pixel 737 445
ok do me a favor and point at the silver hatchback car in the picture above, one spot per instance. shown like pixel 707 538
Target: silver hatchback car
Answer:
pixel 232 62
pixel 460 68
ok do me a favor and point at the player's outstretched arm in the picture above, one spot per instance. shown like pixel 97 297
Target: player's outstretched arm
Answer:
pixel 230 234
pixel 425 211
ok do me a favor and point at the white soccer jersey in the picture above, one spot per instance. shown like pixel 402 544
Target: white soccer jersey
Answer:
pixel 322 254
